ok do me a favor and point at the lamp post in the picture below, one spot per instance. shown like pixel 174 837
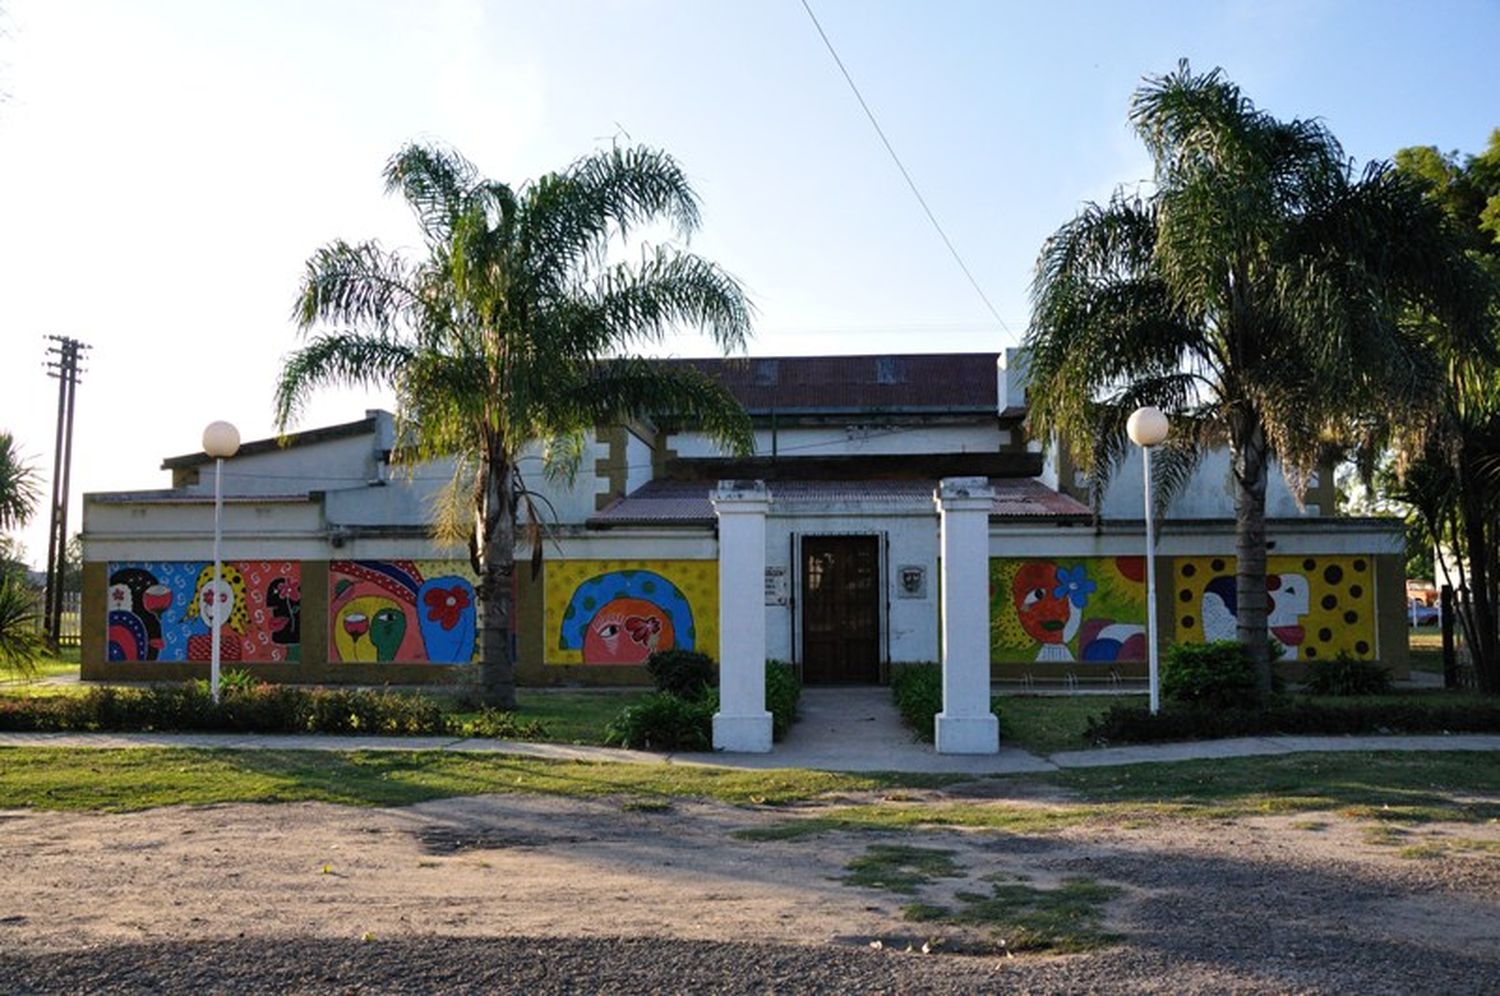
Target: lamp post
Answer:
pixel 1147 427
pixel 220 441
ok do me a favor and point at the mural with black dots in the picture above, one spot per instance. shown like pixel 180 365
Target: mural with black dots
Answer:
pixel 1319 605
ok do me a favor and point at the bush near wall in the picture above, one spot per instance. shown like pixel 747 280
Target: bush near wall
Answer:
pixel 1135 724
pixel 918 691
pixel 670 721
pixel 245 708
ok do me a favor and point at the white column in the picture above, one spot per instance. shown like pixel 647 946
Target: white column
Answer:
pixel 742 723
pixel 966 725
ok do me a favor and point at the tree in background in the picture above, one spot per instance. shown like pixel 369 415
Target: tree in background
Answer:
pixel 20 635
pixel 516 329
pixel 1252 293
pixel 1453 486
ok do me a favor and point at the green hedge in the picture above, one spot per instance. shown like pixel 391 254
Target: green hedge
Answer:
pixel 1135 724
pixel 668 721
pixel 260 708
pixel 918 691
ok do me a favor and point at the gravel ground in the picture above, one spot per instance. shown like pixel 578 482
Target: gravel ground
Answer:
pixel 545 895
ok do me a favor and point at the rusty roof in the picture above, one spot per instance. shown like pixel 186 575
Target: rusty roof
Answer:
pixel 893 382
pixel 684 503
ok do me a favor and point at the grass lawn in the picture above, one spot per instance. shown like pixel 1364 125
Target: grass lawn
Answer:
pixel 1426 652
pixel 1382 786
pixel 65 663
pixel 571 717
pixel 1046 724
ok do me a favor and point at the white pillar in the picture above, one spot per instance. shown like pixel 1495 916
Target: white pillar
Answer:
pixel 966 725
pixel 742 723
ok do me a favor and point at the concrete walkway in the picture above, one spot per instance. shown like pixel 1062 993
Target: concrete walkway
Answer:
pixel 841 729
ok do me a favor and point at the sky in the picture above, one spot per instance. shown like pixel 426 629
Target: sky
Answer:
pixel 167 166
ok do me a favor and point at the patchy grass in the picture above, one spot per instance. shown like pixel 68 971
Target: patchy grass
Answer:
pixel 1022 917
pixel 1046 724
pixel 900 867
pixel 1440 847
pixel 1387 785
pixel 966 815
pixel 144 778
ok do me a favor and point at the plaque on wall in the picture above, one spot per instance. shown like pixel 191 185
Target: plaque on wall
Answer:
pixel 777 588
pixel 911 581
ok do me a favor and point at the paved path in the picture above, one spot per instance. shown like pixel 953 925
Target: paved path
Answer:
pixel 841 729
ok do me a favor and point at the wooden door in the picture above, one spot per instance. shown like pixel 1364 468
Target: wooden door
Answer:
pixel 840 609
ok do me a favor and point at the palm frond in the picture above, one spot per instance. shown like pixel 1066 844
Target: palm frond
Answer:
pixel 348 359
pixel 636 387
pixel 20 487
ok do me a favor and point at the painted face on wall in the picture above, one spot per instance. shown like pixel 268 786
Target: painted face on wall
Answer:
pixel 1043 614
pixel 284 599
pixel 370 628
pixel 627 631
pixel 1288 593
pixel 216 602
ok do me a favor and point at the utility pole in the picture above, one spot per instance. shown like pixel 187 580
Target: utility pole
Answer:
pixel 62 363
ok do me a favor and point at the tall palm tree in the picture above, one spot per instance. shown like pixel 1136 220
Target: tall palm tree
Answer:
pixel 1252 293
pixel 518 328
pixel 19 490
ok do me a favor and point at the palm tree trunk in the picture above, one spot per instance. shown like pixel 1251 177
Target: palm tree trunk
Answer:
pixel 497 667
pixel 1481 603
pixel 1248 453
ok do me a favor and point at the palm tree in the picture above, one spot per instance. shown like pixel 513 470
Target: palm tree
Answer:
pixel 517 329
pixel 19 490
pixel 1252 293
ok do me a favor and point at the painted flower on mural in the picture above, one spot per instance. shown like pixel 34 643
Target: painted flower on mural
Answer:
pixel 1073 583
pixel 445 606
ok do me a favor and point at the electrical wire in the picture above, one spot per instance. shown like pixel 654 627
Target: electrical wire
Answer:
pixel 902 167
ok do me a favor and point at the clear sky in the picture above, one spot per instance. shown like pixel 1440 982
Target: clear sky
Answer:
pixel 166 166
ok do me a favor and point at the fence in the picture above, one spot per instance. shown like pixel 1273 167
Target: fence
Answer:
pixel 69 623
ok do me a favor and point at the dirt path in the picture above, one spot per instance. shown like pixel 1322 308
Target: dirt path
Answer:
pixel 332 897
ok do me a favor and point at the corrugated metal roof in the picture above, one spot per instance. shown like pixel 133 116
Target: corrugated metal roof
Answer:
pixel 687 502
pixel 935 381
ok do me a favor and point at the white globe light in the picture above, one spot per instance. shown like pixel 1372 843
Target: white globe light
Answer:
pixel 1147 426
pixel 221 440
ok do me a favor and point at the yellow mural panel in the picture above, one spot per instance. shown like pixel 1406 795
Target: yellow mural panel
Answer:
pixel 1320 605
pixel 621 611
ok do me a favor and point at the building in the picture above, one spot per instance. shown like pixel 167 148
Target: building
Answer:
pixel 333 576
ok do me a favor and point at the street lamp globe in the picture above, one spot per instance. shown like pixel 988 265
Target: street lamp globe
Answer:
pixel 221 440
pixel 1147 426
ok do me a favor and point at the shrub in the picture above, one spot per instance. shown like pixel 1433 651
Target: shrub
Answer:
pixel 498 725
pixel 683 673
pixel 918 691
pixel 21 642
pixel 1135 724
pixel 783 691
pixel 665 722
pixel 1218 675
pixel 1346 675
pixel 258 709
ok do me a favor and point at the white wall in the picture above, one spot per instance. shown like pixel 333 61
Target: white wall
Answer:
pixel 1208 495
pixel 980 436
pixel 638 462
pixel 909 627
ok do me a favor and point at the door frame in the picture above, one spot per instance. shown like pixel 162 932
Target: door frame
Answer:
pixel 883 595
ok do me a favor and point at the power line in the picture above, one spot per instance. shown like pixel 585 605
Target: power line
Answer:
pixel 902 167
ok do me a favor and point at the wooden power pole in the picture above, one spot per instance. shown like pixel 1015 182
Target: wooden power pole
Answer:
pixel 62 363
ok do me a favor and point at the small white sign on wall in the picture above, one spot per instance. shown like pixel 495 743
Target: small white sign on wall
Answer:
pixel 778 588
pixel 911 581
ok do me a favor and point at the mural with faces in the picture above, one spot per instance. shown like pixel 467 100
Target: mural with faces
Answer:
pixel 402 611
pixel 1319 606
pixel 1087 609
pixel 621 611
pixel 168 610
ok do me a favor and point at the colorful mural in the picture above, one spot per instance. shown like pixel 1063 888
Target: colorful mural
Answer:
pixel 620 611
pixel 408 611
pixel 165 611
pixel 1089 609
pixel 1319 605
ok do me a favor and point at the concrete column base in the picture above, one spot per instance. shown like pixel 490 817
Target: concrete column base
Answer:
pixel 966 734
pixel 743 734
